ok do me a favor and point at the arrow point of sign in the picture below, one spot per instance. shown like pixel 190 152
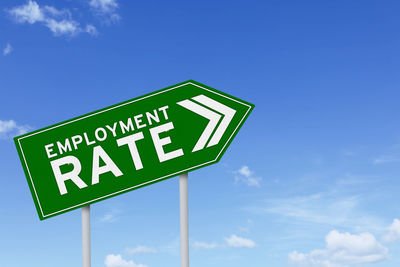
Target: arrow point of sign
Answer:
pixel 204 112
pixel 225 110
pixel 212 116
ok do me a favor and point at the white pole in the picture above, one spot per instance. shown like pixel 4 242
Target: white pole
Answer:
pixel 86 236
pixel 183 196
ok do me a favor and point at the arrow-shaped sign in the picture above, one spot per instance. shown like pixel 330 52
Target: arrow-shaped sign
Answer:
pixel 128 145
pixel 212 116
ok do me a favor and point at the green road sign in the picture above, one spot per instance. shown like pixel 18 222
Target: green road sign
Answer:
pixel 129 145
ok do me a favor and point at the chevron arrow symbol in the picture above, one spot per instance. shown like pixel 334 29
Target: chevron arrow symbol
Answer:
pixel 207 110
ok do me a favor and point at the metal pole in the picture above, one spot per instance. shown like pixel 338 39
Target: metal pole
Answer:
pixel 86 236
pixel 183 196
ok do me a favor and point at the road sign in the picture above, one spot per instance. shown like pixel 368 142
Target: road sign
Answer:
pixel 129 145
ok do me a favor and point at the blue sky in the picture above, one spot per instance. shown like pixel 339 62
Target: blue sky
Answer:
pixel 310 180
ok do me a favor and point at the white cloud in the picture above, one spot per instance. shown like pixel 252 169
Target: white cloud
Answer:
pixel 7 50
pixel 232 241
pixel 393 232
pixel 117 261
pixel 106 9
pixel 58 21
pixel 67 27
pixel 204 245
pixel 29 12
pixel 239 242
pixel 105 6
pixel 342 249
pixel 10 128
pixel 57 13
pixel 90 29
pixel 245 175
pixel 245 171
pixel 314 258
pixel 140 250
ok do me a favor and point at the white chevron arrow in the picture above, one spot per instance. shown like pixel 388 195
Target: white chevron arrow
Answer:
pixel 212 116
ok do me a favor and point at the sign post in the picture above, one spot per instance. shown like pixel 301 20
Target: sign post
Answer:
pixel 184 219
pixel 86 255
pixel 129 145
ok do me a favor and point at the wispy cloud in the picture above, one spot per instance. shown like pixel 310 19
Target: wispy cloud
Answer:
pixel 390 155
pixel 7 50
pixel 391 158
pixel 10 128
pixel 204 245
pixel 246 229
pixel 232 241
pixel 172 247
pixel 117 261
pixel 349 153
pixel 139 249
pixel 111 216
pixel 342 249
pixel 246 176
pixel 324 208
pixel 357 180
pixel 106 10
pixel 59 22
pixel 90 29
pixel 239 242
pixel 316 208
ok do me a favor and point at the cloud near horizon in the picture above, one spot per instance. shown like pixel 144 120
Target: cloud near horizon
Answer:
pixel 117 261
pixel 342 250
pixel 392 232
pixel 233 241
